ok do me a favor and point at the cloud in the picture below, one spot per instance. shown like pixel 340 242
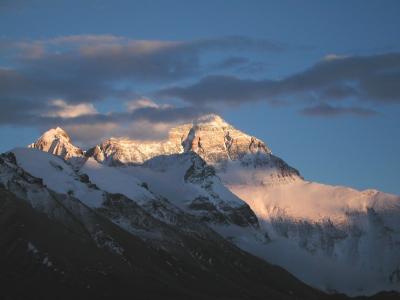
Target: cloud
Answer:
pixel 43 85
pixel 143 123
pixel 89 135
pixel 141 103
pixel 61 109
pixel 374 79
pixel 15 111
pixel 142 119
pixel 61 81
pixel 221 88
pixel 93 68
pixel 326 110
pixel 107 57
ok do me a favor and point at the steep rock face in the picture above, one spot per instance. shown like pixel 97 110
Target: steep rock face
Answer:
pixel 56 141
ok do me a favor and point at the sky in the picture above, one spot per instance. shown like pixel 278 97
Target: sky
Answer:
pixel 318 81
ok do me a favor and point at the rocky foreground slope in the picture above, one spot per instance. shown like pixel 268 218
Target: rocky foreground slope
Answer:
pixel 334 238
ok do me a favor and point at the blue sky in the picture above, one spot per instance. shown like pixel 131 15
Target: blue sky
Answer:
pixel 318 81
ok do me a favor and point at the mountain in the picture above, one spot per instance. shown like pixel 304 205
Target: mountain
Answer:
pixel 210 137
pixel 57 141
pixel 80 241
pixel 334 238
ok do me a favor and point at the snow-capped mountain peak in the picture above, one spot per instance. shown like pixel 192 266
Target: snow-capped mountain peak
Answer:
pixel 211 137
pixel 58 142
pixel 216 141
pixel 56 133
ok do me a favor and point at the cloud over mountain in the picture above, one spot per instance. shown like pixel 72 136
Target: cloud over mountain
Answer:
pixel 63 80
pixel 364 79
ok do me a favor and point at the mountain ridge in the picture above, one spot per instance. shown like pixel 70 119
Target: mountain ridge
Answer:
pixel 209 136
pixel 316 226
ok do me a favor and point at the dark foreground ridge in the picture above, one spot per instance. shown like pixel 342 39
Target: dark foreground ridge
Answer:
pixel 52 246
pixel 31 245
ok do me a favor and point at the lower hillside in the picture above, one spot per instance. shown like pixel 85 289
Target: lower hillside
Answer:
pixel 44 258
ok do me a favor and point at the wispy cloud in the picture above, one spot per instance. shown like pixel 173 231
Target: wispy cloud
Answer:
pixel 58 108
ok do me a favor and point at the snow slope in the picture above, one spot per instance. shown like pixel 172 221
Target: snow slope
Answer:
pixel 58 175
pixel 113 180
pixel 334 238
pixel 190 184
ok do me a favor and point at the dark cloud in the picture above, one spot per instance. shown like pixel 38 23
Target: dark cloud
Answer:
pixel 153 114
pixel 38 87
pixel 219 88
pixel 326 110
pixel 86 69
pixel 89 128
pixel 147 123
pixel 112 58
pixel 17 113
pixel 371 78
pixel 93 68
pixel 90 68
